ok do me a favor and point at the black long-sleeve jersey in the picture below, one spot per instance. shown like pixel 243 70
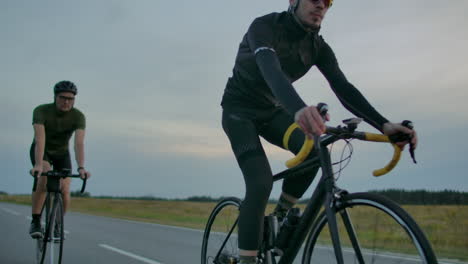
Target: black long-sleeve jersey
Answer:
pixel 275 52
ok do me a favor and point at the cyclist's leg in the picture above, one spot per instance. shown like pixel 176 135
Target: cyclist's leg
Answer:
pixel 38 197
pixel 242 133
pixel 273 131
pixel 65 185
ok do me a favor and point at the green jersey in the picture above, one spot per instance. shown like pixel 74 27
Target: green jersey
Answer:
pixel 59 126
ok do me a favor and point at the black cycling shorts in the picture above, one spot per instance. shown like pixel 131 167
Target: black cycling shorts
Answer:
pixel 58 162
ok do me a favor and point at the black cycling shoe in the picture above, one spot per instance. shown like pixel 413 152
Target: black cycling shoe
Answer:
pixel 35 230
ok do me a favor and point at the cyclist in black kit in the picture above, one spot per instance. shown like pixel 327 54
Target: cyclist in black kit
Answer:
pixel 259 100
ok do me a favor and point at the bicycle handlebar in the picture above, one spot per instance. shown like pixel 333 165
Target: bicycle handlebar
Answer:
pixel 396 153
pixel 341 133
pixel 59 174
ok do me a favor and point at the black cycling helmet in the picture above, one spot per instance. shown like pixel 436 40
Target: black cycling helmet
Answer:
pixel 65 86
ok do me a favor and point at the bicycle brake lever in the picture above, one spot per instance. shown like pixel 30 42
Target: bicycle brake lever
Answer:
pixel 411 151
pixel 409 124
pixel 323 110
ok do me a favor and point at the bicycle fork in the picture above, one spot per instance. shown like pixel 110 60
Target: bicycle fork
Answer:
pixel 332 198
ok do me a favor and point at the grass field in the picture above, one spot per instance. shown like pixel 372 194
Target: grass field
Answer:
pixel 445 226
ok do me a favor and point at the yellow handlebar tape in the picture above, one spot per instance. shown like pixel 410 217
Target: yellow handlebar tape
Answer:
pixel 303 153
pixel 376 137
pixel 391 164
pixel 309 144
pixel 396 153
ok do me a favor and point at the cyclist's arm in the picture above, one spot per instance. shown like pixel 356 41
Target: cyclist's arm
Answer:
pixel 279 84
pixel 261 38
pixel 308 118
pixel 348 95
pixel 79 153
pixel 39 139
pixel 79 147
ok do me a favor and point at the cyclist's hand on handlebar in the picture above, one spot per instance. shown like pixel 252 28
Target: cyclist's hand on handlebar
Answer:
pixel 310 121
pixel 394 128
pixel 36 171
pixel 84 174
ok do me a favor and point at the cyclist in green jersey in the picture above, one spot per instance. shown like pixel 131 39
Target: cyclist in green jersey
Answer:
pixel 54 125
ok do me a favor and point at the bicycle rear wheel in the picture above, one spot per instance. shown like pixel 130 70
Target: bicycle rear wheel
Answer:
pixel 52 243
pixel 372 229
pixel 220 237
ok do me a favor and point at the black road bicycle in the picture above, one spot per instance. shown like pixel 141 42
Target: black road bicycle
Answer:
pixel 351 228
pixel 50 245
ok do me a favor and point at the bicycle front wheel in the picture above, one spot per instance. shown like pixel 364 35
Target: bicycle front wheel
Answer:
pixel 54 233
pixel 41 242
pixel 220 237
pixel 372 229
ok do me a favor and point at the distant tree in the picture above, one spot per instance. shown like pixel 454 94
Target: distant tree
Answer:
pixel 3 193
pixel 424 197
pixel 79 194
pixel 201 199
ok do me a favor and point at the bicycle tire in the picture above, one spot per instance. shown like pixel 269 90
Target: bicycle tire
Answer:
pixel 60 224
pixel 54 246
pixel 388 234
pixel 41 243
pixel 220 236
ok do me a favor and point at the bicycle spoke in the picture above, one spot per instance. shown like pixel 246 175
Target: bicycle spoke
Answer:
pixel 372 230
pixel 220 237
pixel 334 233
pixel 352 235
pixel 228 236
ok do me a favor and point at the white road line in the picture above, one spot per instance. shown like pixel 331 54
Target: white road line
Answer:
pixel 160 225
pixel 10 211
pixel 128 254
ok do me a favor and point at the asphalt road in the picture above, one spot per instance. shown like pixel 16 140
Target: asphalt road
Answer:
pixel 94 239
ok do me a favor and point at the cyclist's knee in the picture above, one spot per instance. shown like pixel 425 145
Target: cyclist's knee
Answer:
pixel 41 184
pixel 65 186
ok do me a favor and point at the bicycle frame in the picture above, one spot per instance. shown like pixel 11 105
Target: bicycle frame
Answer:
pixel 52 202
pixel 325 194
pixel 322 195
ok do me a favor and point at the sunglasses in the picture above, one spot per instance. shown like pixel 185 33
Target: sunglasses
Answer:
pixel 66 98
pixel 327 3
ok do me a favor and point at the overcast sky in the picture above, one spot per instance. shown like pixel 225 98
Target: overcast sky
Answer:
pixel 150 77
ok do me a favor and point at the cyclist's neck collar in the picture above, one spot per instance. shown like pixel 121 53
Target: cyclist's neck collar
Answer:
pixel 60 112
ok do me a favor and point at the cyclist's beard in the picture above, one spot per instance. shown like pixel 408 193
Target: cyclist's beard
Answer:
pixel 306 27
